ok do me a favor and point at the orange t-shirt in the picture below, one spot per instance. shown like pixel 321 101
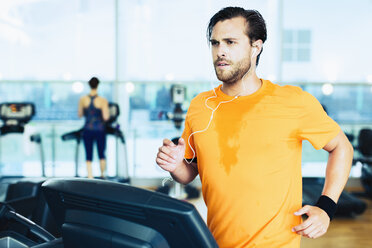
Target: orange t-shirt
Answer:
pixel 249 161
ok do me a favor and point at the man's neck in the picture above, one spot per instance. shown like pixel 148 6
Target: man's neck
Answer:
pixel 243 87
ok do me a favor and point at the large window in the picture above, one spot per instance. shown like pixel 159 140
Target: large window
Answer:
pixel 297 45
pixel 140 48
pixel 57 40
pixel 53 100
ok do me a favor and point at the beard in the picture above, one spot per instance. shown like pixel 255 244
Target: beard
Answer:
pixel 235 73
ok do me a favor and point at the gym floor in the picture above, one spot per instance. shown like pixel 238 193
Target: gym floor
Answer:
pixel 344 232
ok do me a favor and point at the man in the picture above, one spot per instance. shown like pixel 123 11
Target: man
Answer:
pixel 244 139
pixel 95 109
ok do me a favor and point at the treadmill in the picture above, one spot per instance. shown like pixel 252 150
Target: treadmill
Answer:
pixel 15 115
pixel 98 213
pixel 364 156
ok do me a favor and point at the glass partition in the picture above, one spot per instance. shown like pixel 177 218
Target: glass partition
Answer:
pixel 53 100
pixel 145 122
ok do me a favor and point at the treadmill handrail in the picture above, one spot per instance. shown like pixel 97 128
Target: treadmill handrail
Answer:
pixel 73 135
pixel 8 212
pixel 34 228
pixel 77 135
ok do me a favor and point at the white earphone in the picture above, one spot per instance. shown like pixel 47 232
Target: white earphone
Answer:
pixel 254 51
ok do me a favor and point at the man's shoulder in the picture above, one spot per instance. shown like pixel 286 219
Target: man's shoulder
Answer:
pixel 291 94
pixel 287 91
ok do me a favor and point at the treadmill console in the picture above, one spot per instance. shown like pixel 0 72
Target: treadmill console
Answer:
pixel 15 115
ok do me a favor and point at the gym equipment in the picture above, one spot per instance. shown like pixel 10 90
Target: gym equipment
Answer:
pixel 15 116
pixel 37 139
pixel 77 136
pixel 98 213
pixel 25 197
pixel 366 179
pixel 122 173
pixel 365 149
pixel 178 95
pixel 11 222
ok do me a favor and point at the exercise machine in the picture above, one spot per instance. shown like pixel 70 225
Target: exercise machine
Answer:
pixel 24 196
pixel 15 115
pixel 178 94
pixel 365 151
pixel 101 213
pixel 11 224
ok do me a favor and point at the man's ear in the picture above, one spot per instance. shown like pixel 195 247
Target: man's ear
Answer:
pixel 258 45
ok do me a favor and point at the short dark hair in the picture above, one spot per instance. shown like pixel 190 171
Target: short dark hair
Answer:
pixel 256 27
pixel 93 83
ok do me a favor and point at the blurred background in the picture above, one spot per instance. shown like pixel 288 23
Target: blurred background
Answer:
pixel 139 49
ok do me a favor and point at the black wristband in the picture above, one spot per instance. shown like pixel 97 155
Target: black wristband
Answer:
pixel 328 205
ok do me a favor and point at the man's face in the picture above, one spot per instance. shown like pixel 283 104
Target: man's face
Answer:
pixel 231 50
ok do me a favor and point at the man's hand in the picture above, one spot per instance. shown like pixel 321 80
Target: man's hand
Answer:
pixel 315 225
pixel 170 156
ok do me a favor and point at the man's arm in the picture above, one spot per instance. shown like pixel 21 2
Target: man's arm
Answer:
pixel 338 166
pixel 185 173
pixel 337 172
pixel 171 158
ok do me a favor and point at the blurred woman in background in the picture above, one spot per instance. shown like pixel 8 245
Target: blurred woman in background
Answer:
pixel 95 109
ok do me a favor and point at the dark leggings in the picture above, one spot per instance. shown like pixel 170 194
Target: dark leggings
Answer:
pixel 89 136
